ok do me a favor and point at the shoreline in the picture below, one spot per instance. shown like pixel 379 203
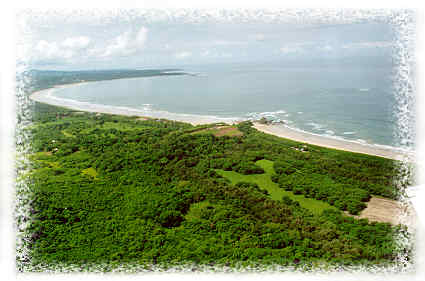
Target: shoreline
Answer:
pixel 285 132
pixel 44 96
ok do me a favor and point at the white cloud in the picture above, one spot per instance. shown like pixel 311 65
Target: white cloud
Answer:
pixel 327 48
pixel 119 45
pixel 289 49
pixel 51 51
pixel 214 54
pixel 59 51
pixel 260 37
pixel 47 49
pixel 182 55
pixel 80 42
pixel 126 44
pixel 79 48
pixel 141 36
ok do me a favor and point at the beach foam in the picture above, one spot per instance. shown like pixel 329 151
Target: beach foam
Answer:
pixel 316 126
pixel 336 142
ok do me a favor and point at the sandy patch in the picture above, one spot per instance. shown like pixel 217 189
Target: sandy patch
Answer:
pixel 390 211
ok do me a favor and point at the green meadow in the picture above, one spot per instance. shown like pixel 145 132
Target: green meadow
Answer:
pixel 264 181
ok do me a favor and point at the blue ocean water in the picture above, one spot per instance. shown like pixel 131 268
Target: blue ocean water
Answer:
pixel 343 101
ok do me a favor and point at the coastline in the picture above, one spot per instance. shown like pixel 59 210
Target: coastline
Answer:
pixel 45 96
pixel 285 132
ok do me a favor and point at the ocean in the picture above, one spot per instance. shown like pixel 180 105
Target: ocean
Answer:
pixel 348 102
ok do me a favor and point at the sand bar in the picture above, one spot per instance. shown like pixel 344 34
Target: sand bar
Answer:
pixel 286 132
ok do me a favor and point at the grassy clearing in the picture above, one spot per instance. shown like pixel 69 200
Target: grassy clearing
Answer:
pixel 66 134
pixel 220 131
pixel 276 193
pixel 195 211
pixel 227 131
pixel 90 172
pixel 120 126
pixel 45 159
pixel 43 155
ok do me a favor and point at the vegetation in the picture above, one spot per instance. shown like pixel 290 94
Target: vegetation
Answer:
pixel 119 189
pixel 264 182
pixel 42 79
pixel 116 189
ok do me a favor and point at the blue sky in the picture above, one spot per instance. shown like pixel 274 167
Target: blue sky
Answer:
pixel 132 40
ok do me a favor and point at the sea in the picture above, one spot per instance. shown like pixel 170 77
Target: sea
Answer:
pixel 349 102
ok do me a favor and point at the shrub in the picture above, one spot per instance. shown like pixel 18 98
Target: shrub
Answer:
pixel 247 168
pixel 170 218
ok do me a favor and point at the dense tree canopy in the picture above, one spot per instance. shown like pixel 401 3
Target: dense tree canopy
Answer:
pixel 113 188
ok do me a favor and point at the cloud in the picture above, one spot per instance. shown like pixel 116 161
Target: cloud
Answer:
pixel 289 49
pixel 214 54
pixel 45 50
pixel 182 55
pixel 126 44
pixel 79 48
pixel 260 37
pixel 327 48
pixel 141 36
pixel 80 42
pixel 59 51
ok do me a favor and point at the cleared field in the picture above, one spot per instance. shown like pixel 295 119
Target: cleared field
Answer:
pixel 220 131
pixel 276 193
pixel 227 131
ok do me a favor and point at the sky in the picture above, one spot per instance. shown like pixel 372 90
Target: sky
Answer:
pixel 129 39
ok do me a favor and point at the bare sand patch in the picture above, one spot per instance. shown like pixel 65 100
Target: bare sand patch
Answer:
pixel 390 211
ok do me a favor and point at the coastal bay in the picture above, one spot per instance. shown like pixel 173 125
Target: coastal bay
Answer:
pixel 47 96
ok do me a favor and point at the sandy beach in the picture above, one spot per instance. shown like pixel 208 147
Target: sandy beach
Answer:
pixel 46 96
pixel 285 132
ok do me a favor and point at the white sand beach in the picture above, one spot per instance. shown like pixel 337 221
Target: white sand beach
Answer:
pixel 46 96
pixel 285 132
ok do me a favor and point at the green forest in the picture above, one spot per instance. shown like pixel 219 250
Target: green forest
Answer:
pixel 114 189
